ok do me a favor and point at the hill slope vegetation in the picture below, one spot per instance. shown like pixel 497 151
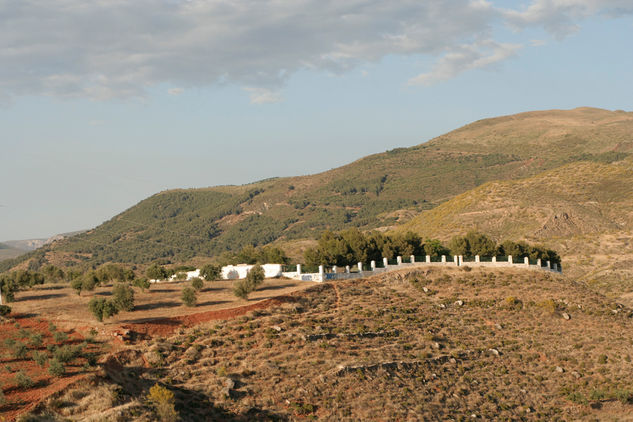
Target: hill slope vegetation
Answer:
pixel 377 191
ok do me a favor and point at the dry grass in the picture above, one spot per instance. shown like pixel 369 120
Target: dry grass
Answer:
pixel 426 344
pixel 61 304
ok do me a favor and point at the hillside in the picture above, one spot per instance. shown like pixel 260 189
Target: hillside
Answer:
pixel 377 191
pixel 9 252
pixel 583 210
pixel 436 344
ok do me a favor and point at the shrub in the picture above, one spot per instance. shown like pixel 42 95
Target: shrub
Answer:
pixel 197 283
pixel 253 279
pixel 23 380
pixel 156 272
pixel 210 272
pixel 3 399
pixel 19 350
pixel 163 401
pixel 56 368
pixel 5 310
pixel 35 340
pixel 66 353
pixel 123 297
pixel 102 308
pixel 39 357
pixel 60 336
pixel 77 284
pixel 142 283
pixel 189 296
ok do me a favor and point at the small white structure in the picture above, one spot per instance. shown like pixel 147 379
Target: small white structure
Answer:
pixel 190 275
pixel 235 272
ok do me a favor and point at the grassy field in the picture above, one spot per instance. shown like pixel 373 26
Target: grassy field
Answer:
pixel 432 344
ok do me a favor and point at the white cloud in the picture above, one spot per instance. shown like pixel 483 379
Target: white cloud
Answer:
pixel 263 96
pixel 175 91
pixel 106 49
pixel 466 57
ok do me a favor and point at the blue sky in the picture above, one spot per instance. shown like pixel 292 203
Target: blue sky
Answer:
pixel 104 104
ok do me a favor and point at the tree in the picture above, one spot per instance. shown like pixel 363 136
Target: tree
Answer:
pixel 480 244
pixel 123 297
pixel 253 279
pixel 197 283
pixel 163 401
pixel 458 245
pixel 210 272
pixel 102 308
pixel 77 284
pixel 189 297
pixel 142 283
pixel 434 247
pixel 156 272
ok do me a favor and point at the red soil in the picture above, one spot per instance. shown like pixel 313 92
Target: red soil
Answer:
pixel 166 326
pixel 20 400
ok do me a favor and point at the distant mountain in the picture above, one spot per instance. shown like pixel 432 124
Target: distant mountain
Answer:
pixel 378 191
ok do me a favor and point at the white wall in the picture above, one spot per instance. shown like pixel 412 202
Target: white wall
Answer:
pixel 233 272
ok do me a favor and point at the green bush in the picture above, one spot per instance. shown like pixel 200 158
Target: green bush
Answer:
pixel 5 310
pixel 60 336
pixel 19 350
pixel 253 279
pixel 189 297
pixel 102 308
pixel 56 368
pixel 156 272
pixel 23 380
pixel 123 297
pixel 39 357
pixel 197 283
pixel 142 283
pixel 67 353
pixel 35 340
pixel 210 272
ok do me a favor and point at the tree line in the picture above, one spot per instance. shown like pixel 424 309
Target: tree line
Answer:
pixel 351 246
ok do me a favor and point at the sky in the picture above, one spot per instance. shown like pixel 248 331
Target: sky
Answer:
pixel 106 102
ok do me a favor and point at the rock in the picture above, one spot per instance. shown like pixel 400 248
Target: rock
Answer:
pixel 442 306
pixel 498 326
pixel 566 316
pixel 615 311
pixel 276 328
pixel 576 374
pixel 229 383
pixel 559 369
pixel 437 346
pixel 226 392
pixel 459 303
pixel 425 290
pixel 494 352
pixel 452 360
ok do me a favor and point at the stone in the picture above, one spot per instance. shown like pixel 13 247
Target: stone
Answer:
pixel 566 316
pixel 229 383
pixel 494 352
pixel 425 290
pixel 459 303
pixel 436 345
pixel 498 326
pixel 453 360
pixel 576 374
pixel 442 306
pixel 559 369
pixel 276 328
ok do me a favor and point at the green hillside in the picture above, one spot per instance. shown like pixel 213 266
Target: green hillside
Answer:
pixel 380 190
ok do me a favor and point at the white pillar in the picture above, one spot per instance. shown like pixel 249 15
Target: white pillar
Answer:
pixel 385 261
pixel 334 269
pixel 399 260
pixel 555 266
pixel 428 259
pixel 299 269
pixel 412 259
pixel 539 263
pixel 321 270
pixel 347 269
pixel 549 264
pixel 373 265
pixel 494 259
pixel 360 267
pixel 510 259
pixel 455 259
pixel 476 258
pixel 526 260
pixel 444 258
